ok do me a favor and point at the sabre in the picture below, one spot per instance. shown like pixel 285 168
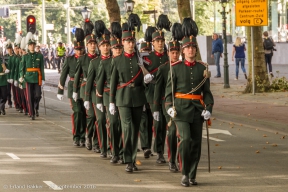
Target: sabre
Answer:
pixel 208 144
pixel 44 101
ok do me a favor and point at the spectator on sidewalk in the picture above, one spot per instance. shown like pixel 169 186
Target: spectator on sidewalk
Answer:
pixel 239 52
pixel 268 44
pixel 217 50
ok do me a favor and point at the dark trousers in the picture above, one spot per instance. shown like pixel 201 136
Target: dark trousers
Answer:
pixel 91 125
pixel 160 128
pixel 268 58
pixel 3 97
pixel 101 128
pixel 19 98
pixel 78 120
pixel 130 122
pixel 33 92
pixel 46 63
pixel 53 62
pixel 146 128
pixel 15 97
pixel 189 146
pixel 9 94
pixel 23 100
pixel 59 62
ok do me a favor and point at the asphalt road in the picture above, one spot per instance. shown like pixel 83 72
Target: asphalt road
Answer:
pixel 247 154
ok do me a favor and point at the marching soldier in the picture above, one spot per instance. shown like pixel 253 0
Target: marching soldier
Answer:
pixel 103 91
pixel 189 101
pixel 128 96
pixel 82 72
pixel 32 71
pixel 3 81
pixel 79 113
pixel 90 89
pixel 9 87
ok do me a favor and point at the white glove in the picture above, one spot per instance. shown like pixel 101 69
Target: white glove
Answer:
pixel 144 108
pixel 9 80
pixel 16 83
pixel 148 78
pixel 156 115
pixel 171 112
pixel 43 82
pixel 100 107
pixel 21 79
pixel 87 105
pixel 206 114
pixel 60 97
pixel 75 96
pixel 112 108
pixel 7 71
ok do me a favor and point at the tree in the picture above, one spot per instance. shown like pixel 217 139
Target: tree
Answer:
pixel 113 10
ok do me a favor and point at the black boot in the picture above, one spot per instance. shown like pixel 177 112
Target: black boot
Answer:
pixel 185 181
pixel 88 143
pixel 129 168
pixel 160 158
pixel 173 167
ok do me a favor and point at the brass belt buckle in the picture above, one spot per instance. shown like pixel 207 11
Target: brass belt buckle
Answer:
pixel 131 85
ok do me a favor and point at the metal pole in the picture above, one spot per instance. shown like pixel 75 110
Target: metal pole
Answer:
pixel 253 75
pixel 43 23
pixel 68 22
pixel 208 144
pixel 226 66
pixel 155 16
pixel 215 17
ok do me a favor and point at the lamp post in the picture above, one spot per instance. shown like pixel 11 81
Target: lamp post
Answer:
pixel 226 66
pixel 86 14
pixel 67 6
pixel 129 6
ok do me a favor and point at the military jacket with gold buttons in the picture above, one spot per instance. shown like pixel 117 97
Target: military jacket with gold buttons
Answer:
pixel 32 60
pixel 123 70
pixel 155 59
pixel 81 73
pixel 20 67
pixel 186 78
pixel 3 75
pixel 16 69
pixel 92 77
pixel 69 68
pixel 10 65
pixel 103 82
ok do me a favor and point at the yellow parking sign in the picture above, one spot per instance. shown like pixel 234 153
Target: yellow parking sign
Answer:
pixel 251 12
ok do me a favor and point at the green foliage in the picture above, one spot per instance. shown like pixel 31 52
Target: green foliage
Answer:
pixel 279 84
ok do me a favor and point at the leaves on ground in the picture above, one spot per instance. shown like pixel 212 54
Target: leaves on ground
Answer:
pixel 137 180
pixel 257 151
pixel 216 144
pixel 264 135
pixel 220 167
pixel 274 145
pixel 138 162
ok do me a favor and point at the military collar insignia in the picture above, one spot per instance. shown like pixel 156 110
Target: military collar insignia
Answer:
pixel 159 54
pixel 189 64
pixel 129 55
pixel 103 57
pixel 91 56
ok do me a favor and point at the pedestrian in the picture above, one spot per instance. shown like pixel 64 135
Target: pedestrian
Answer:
pixel 217 50
pixel 268 44
pixel 60 53
pixel 239 53
pixel 193 103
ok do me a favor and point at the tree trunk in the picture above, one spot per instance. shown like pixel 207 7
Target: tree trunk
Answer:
pixel 113 10
pixel 184 11
pixel 260 71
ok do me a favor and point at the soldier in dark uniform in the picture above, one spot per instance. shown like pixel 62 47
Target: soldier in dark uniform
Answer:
pixel 32 71
pixel 9 49
pixel 79 113
pixel 129 96
pixel 189 103
pixel 90 89
pixel 103 91
pixel 81 73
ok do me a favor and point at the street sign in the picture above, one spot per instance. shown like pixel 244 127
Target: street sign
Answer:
pixel 251 12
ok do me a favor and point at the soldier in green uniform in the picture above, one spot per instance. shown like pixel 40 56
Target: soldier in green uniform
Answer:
pixel 4 71
pixel 159 95
pixel 81 73
pixel 189 103
pixel 129 96
pixel 79 112
pixel 90 90
pixel 32 71
pixel 155 59
pixel 103 91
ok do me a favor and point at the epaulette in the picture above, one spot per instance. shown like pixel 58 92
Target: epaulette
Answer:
pixel 201 62
pixel 176 63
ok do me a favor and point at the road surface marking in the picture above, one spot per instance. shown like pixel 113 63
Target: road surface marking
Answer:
pixel 12 124
pixel 215 131
pixel 212 138
pixel 12 156
pixel 52 185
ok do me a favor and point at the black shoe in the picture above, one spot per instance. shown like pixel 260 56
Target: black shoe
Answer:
pixel 76 143
pixel 115 159
pixel 147 153
pixel 121 160
pixel 88 143
pixel 134 167
pixel 103 155
pixel 109 154
pixel 160 159
pixel 245 76
pixel 37 113
pixel 33 117
pixel 82 143
pixel 217 76
pixel 185 181
pixel 26 113
pixel 3 112
pixel 193 182
pixel 138 150
pixel 173 167
pixel 97 149
pixel 20 110
pixel 129 168
pixel 271 74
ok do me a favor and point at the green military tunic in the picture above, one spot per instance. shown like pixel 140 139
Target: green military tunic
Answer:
pixel 188 120
pixel 90 94
pixel 129 100
pixel 3 87
pixel 11 66
pixel 3 75
pixel 79 113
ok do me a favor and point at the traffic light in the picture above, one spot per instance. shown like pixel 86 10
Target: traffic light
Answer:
pixel 1 31
pixel 31 24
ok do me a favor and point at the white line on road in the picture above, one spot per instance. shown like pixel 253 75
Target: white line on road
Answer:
pixel 212 138
pixel 52 185
pixel 11 124
pixel 12 156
